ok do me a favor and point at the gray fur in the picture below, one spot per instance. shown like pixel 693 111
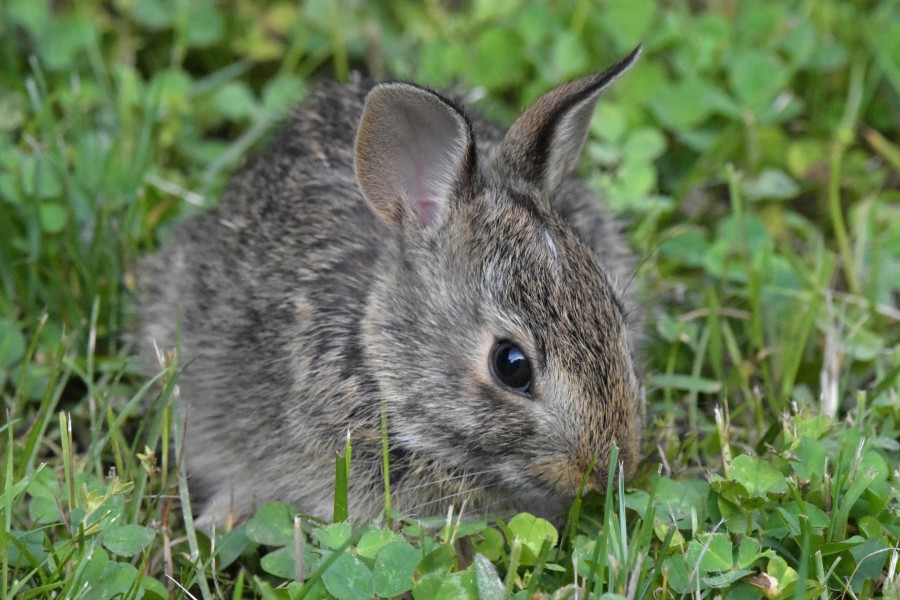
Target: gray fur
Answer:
pixel 306 306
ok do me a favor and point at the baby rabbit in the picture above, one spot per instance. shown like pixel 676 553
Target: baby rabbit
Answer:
pixel 390 253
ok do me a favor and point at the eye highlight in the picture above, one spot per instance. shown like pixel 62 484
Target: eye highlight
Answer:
pixel 511 367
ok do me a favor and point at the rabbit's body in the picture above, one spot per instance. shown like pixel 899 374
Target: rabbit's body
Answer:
pixel 315 296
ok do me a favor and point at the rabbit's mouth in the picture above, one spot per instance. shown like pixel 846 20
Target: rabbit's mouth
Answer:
pixel 568 476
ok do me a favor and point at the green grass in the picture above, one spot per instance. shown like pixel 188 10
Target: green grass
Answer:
pixel 753 151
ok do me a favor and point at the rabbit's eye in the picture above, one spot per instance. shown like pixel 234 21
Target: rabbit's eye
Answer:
pixel 511 367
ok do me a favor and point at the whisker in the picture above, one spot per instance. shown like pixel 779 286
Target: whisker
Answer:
pixel 636 270
pixel 437 482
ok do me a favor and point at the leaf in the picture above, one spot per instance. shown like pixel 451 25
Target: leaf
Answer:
pixel 115 581
pixel 532 531
pixel 491 544
pixel 644 144
pixel 229 546
pixel 682 105
pixel 771 184
pixel 442 558
pixel 12 343
pixel 394 567
pixel 687 246
pixel 334 536
pixel 783 575
pixel 205 23
pixel 374 540
pixel 712 552
pixel 128 540
pixel 25 545
pixel 348 578
pixel 629 22
pixel 569 56
pixel 235 101
pixel 272 525
pixel 498 59
pixel 53 217
pixel 870 558
pixel 748 552
pixel 811 464
pixel 756 78
pixel 281 563
pixel 458 586
pixel 726 579
pixel 490 587
pixel 677 571
pixel 758 477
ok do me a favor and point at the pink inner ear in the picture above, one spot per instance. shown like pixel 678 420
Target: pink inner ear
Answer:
pixel 419 176
pixel 429 161
pixel 429 210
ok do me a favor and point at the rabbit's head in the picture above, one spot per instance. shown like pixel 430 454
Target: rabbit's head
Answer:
pixel 496 333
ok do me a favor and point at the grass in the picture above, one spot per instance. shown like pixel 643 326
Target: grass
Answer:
pixel 753 152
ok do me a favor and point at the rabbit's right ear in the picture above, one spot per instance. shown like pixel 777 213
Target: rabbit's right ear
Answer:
pixel 414 153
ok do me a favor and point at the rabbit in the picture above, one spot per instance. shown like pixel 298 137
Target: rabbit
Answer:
pixel 388 252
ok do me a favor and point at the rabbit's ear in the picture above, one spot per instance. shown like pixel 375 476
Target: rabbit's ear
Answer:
pixel 414 153
pixel 544 144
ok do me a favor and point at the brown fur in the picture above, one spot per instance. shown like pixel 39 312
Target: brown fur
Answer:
pixel 315 295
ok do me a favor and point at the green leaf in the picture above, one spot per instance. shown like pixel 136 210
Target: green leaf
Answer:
pixel 811 464
pixel 758 477
pixel 53 217
pixel 532 531
pixel 442 558
pixel 748 552
pixel 32 543
pixel 348 578
pixel 687 247
pixel 374 540
pixel 628 22
pixel 12 343
pixel 726 579
pixel 569 55
pixel 128 540
pixel 281 563
pixel 644 144
pixel 498 59
pixel 756 78
pixel 490 587
pixel 282 92
pixel 682 105
pixel 783 574
pixel 235 101
pixel 712 552
pixel 229 546
pixel 677 573
pixel 491 544
pixel 771 184
pixel 204 23
pixel 154 14
pixel 458 586
pixel 335 535
pixel 394 567
pixel 272 525
pixel 870 558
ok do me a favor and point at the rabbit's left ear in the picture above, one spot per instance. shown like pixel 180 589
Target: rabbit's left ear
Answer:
pixel 544 144
pixel 414 153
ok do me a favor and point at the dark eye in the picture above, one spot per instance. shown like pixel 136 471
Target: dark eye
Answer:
pixel 511 366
